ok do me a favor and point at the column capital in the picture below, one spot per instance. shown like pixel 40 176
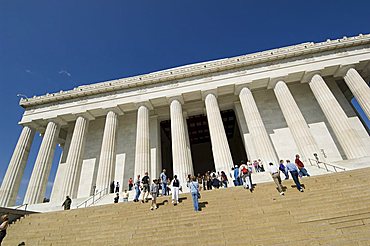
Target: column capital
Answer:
pixel 278 83
pixel 117 110
pixel 205 93
pixel 343 70
pixel 59 121
pixel 86 115
pixel 273 81
pixel 179 98
pixel 147 104
pixel 240 87
pixel 308 75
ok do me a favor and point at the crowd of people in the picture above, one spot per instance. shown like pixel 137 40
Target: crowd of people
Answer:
pixel 240 175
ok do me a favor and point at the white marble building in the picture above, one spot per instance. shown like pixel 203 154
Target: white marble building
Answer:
pixel 268 105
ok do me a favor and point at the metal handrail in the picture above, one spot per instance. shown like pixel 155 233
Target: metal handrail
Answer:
pixel 93 198
pixel 325 165
pixel 23 205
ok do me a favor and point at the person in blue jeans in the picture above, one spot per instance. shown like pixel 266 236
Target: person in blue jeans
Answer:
pixel 137 189
pixel 194 190
pixel 163 177
pixel 292 168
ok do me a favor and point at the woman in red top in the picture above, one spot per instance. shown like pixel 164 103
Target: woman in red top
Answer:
pixel 130 184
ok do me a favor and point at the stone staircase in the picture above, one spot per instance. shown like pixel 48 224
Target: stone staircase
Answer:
pixel 333 210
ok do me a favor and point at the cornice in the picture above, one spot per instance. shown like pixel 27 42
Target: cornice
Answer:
pixel 197 69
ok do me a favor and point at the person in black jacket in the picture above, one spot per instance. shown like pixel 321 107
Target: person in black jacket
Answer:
pixel 67 203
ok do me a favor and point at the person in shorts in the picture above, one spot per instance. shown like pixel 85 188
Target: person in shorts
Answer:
pixel 154 188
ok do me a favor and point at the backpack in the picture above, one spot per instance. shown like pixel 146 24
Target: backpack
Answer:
pixel 244 170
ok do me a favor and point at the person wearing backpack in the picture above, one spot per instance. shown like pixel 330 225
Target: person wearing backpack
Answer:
pixel 175 190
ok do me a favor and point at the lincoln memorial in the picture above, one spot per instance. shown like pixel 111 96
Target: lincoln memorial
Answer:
pixel 268 105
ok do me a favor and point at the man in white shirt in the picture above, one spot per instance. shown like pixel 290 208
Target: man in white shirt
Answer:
pixel 275 174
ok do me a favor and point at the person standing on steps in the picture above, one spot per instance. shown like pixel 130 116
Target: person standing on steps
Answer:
pixel 236 175
pixel 3 227
pixel 130 184
pixel 292 168
pixel 111 187
pixel 224 179
pixel 145 181
pixel 283 169
pixel 275 174
pixel 67 203
pixel 194 190
pixel 117 187
pixel 163 178
pixel 137 189
pixel 154 188
pixel 175 190
pixel 125 196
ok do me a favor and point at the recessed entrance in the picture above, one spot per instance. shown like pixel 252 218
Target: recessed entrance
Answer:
pixel 200 142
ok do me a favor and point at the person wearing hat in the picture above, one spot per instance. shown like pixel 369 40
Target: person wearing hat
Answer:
pixel 3 227
pixel 275 174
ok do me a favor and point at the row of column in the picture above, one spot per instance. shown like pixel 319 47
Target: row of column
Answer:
pixel 182 163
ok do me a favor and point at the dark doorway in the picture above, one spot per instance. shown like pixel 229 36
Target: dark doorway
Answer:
pixel 200 142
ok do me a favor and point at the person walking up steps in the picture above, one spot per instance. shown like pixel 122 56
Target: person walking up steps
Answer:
pixel 302 171
pixel 194 190
pixel 154 192
pixel 292 168
pixel 275 174
pixel 145 180
pixel 283 169
pixel 67 203
pixel 244 173
pixel 175 190
pixel 137 189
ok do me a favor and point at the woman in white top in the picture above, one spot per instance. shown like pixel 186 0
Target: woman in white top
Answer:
pixel 3 227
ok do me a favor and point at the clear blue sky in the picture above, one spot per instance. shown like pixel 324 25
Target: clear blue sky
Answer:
pixel 47 46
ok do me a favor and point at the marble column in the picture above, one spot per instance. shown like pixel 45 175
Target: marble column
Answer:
pixel 260 138
pixel 37 185
pixel 180 155
pixel 297 124
pixel 142 151
pixel 74 158
pixel 347 137
pixel 188 147
pixel 108 153
pixel 220 147
pixel 13 176
pixel 359 88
